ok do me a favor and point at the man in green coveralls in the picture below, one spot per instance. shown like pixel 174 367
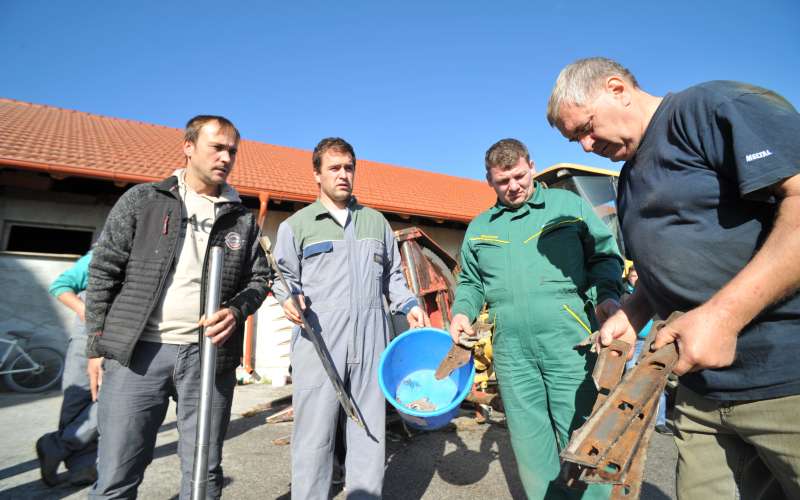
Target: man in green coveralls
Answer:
pixel 541 259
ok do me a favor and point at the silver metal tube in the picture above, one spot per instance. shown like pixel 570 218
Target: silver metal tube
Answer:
pixel 208 359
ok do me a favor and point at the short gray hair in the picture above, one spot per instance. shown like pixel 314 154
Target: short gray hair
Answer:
pixel 579 81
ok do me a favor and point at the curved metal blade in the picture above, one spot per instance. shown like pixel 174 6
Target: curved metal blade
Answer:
pixel 456 357
pixel 319 345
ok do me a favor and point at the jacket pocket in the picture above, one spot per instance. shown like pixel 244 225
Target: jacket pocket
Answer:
pixel 155 227
pixel 491 260
pixel 317 258
pixel 375 270
pixel 317 249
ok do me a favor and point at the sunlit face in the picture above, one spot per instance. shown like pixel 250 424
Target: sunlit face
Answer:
pixel 335 177
pixel 211 158
pixel 513 185
pixel 603 126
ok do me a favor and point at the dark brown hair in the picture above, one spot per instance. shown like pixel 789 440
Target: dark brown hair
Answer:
pixel 194 126
pixel 331 144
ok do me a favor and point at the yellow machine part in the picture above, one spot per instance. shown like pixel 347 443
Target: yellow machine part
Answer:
pixel 628 266
pixel 482 354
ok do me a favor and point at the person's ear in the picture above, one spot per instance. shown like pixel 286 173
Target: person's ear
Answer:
pixel 619 90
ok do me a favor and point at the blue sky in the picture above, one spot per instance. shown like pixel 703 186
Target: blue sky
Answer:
pixel 428 85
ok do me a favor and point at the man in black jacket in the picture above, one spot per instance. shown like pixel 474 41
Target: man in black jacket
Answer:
pixel 144 305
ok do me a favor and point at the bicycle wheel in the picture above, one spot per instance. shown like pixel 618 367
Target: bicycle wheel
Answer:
pixel 45 376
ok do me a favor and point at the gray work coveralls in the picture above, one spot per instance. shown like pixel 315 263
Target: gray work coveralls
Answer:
pixel 344 273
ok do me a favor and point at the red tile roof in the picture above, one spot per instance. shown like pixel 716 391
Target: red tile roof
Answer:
pixel 70 142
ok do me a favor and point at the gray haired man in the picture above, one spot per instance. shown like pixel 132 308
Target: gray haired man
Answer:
pixel 709 202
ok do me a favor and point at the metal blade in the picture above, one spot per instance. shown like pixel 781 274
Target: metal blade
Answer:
pixel 611 445
pixel 457 356
pixel 319 345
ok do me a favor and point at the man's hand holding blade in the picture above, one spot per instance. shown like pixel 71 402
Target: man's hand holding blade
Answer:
pixel 461 327
pixel 458 354
pixel 290 309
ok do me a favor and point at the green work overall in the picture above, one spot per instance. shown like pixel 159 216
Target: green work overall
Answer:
pixel 541 268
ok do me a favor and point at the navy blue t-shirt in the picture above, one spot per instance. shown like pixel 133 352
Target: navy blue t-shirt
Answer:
pixel 694 211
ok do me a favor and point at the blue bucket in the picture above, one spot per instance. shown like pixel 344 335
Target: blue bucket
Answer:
pixel 406 374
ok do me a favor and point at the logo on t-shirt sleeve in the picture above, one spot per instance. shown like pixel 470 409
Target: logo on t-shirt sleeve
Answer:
pixel 758 156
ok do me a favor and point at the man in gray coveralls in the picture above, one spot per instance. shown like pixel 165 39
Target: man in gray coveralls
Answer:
pixel 340 259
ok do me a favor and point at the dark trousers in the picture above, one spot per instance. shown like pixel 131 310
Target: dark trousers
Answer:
pixel 75 442
pixel 133 402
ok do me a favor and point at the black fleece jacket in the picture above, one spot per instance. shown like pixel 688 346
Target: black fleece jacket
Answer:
pixel 135 253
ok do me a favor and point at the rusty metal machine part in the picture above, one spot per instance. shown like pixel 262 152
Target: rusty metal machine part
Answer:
pixel 421 404
pixel 608 369
pixel 606 375
pixel 430 272
pixel 611 447
pixel 459 354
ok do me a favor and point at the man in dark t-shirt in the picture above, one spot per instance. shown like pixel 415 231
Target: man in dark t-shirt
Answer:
pixel 709 202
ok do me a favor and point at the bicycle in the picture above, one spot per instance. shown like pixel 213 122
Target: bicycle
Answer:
pixel 29 370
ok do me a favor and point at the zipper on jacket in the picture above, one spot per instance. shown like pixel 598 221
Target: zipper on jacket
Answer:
pixel 164 231
pixel 171 260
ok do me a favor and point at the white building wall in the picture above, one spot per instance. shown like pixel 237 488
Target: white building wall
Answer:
pixel 272 344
